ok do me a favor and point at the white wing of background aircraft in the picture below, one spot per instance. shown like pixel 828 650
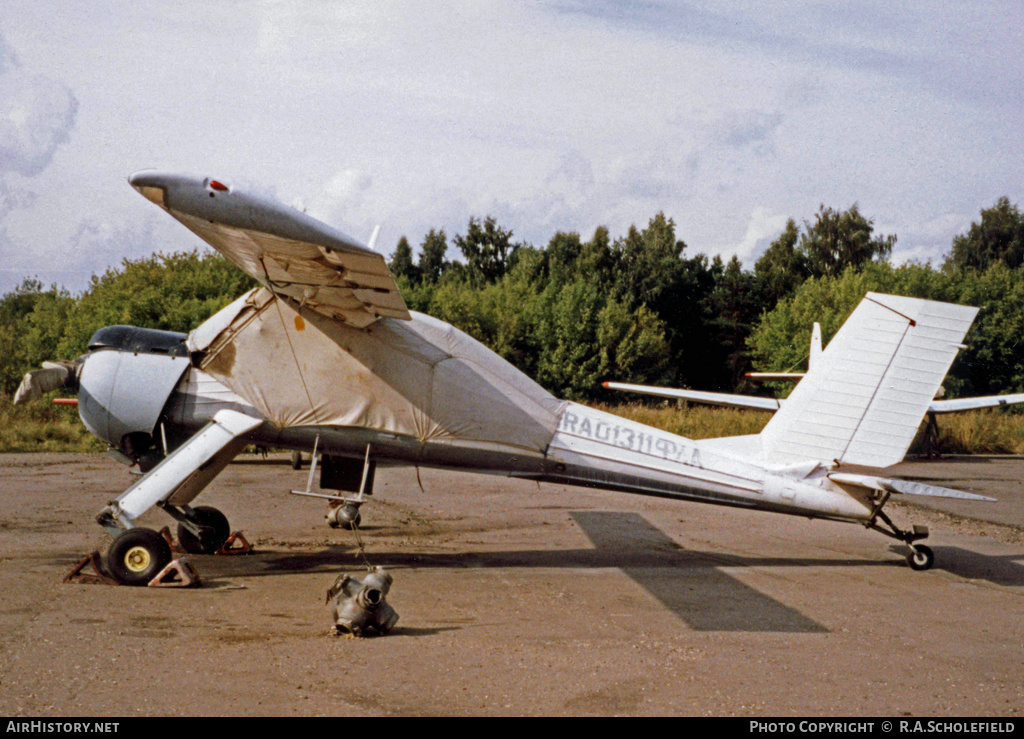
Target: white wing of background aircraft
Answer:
pixel 325 357
pixel 936 407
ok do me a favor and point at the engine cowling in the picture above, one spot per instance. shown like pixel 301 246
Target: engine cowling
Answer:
pixel 126 380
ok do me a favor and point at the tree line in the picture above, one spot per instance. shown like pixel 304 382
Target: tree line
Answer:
pixel 635 308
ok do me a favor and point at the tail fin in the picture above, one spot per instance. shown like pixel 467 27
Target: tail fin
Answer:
pixel 815 345
pixel 864 397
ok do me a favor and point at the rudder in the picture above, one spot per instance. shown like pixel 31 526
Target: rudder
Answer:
pixel 863 399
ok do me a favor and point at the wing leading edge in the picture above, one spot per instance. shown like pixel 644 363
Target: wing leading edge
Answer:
pixel 289 252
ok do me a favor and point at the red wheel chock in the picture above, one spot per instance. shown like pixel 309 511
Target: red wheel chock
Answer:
pixel 235 544
pixel 178 574
pixel 166 533
pixel 96 577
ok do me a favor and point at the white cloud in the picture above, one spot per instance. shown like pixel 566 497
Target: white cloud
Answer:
pixel 763 227
pixel 36 116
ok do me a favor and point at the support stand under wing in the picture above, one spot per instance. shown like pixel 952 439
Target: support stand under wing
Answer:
pixel 183 474
pixel 340 473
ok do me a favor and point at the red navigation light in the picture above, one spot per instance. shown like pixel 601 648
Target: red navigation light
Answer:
pixel 215 185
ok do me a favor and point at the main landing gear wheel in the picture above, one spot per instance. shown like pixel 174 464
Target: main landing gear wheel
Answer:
pixel 136 556
pixel 215 530
pixel 920 557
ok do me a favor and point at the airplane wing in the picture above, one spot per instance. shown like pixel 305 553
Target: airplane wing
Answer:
pixel 698 396
pixel 289 252
pixel 939 407
pixel 969 404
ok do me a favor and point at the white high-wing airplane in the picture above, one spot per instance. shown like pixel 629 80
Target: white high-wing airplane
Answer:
pixel 326 357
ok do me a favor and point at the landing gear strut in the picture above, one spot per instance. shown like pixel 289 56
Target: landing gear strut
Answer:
pixel 921 556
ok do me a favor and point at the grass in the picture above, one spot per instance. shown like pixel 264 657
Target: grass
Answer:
pixel 694 422
pixel 41 426
pixel 981 432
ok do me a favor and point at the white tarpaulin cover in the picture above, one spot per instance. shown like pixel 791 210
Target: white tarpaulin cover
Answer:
pixel 420 378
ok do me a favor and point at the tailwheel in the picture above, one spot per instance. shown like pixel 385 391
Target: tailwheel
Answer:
pixel 214 530
pixel 920 557
pixel 136 556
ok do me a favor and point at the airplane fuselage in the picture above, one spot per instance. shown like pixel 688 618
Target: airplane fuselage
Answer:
pixel 148 396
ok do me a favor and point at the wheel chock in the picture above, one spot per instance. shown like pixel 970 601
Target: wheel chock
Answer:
pixel 178 574
pixel 166 533
pixel 96 577
pixel 235 544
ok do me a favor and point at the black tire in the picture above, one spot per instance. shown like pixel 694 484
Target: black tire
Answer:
pixel 920 558
pixel 215 531
pixel 296 460
pixel 136 556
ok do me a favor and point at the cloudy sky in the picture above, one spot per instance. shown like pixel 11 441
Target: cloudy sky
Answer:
pixel 730 117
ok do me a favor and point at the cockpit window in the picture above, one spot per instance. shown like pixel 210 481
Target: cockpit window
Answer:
pixel 139 340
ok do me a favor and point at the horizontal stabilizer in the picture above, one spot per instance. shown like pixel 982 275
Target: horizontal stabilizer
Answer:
pixel 905 487
pixel 864 398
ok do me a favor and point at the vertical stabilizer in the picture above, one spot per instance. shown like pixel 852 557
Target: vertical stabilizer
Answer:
pixel 815 345
pixel 864 397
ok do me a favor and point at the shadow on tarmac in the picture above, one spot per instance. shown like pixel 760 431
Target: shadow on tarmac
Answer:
pixel 691 584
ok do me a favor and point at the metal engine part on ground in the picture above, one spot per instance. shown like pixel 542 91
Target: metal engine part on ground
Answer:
pixel 360 608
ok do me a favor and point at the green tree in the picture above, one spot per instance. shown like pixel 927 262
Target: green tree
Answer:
pixel 647 263
pixel 32 321
pixel 173 292
pixel 993 361
pixel 561 257
pixel 735 307
pixel 998 238
pixel 837 241
pixel 782 267
pixel 433 256
pixel 487 248
pixel 401 263
pixel 781 340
